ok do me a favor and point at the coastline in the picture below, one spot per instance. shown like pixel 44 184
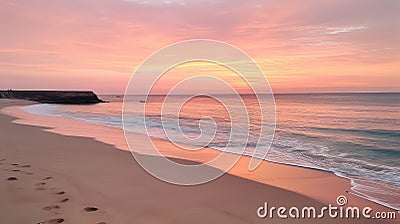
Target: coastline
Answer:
pixel 276 183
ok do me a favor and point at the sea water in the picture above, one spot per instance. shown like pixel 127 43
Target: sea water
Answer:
pixel 356 136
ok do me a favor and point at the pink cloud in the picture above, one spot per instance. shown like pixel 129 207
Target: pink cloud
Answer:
pixel 106 40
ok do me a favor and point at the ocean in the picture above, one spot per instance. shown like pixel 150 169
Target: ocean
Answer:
pixel 356 136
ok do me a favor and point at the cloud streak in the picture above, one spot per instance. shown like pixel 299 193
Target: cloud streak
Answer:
pixel 337 30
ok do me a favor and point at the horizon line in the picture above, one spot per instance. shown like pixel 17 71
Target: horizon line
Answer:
pixel 294 93
pixel 184 94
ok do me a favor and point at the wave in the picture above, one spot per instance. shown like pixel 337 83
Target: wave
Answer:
pixel 378 132
pixel 292 146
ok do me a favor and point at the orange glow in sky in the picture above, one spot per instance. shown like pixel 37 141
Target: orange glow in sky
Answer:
pixel 302 46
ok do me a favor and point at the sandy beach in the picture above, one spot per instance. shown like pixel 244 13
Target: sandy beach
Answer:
pixel 211 111
pixel 50 174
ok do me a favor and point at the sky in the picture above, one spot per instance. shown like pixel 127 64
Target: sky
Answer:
pixel 301 46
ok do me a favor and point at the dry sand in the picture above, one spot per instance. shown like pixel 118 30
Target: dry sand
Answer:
pixel 83 180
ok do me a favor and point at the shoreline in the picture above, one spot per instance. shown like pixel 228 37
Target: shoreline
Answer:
pixel 296 179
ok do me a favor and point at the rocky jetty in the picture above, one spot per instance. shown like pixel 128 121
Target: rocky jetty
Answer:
pixel 45 96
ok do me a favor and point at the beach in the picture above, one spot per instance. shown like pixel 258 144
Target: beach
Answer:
pixel 212 111
pixel 62 175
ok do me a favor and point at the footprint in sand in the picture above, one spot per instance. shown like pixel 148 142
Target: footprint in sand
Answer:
pixel 93 209
pixel 64 200
pixel 90 209
pixel 18 170
pixel 53 221
pixel 12 178
pixel 51 207
pixel 39 186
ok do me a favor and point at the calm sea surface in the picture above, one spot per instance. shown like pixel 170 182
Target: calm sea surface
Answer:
pixel 356 136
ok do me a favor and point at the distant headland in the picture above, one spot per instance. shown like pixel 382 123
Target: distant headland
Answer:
pixel 50 96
